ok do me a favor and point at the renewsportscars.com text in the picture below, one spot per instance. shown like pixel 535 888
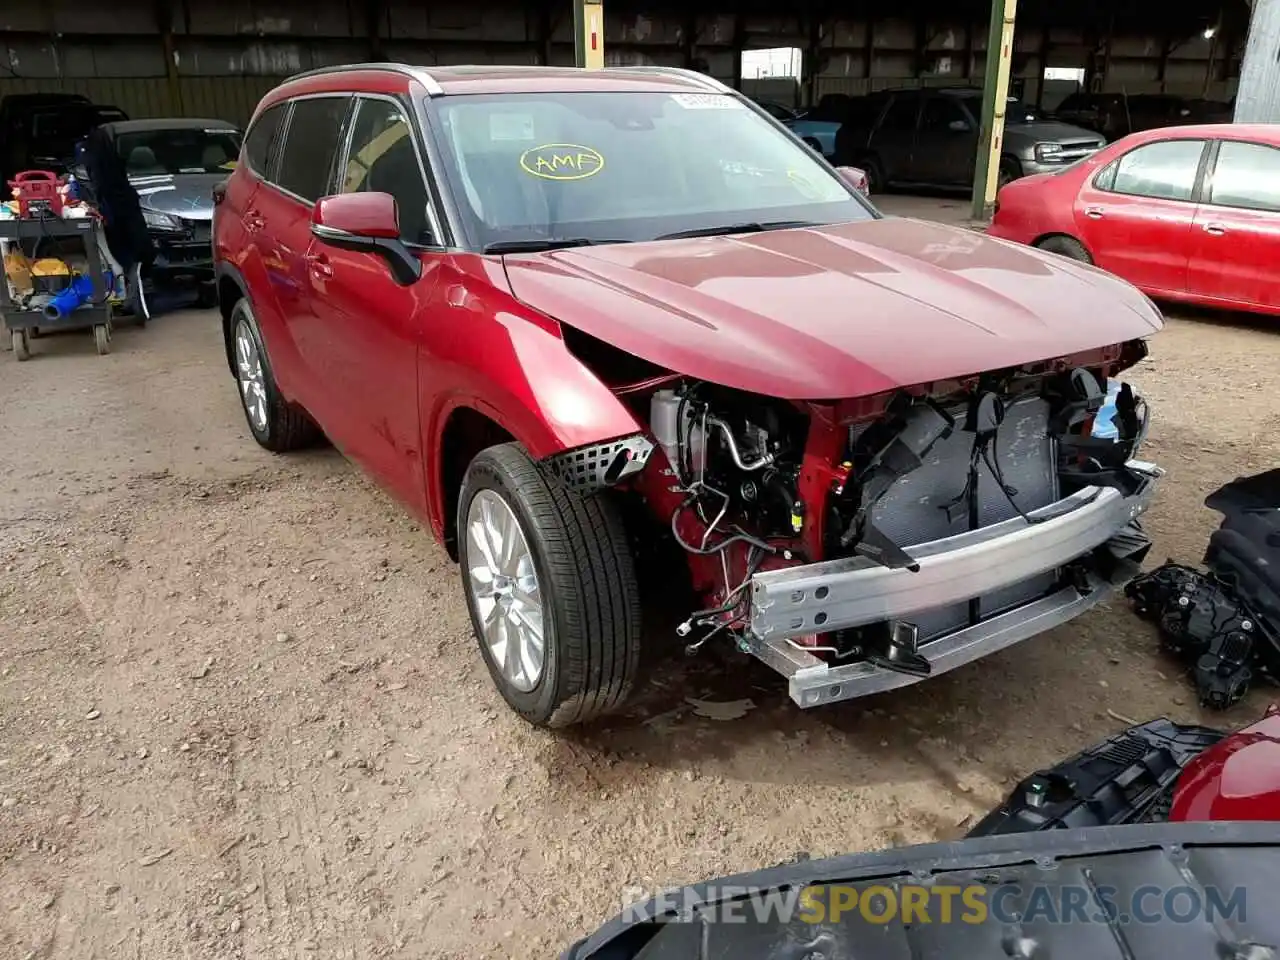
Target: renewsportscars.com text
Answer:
pixel 942 903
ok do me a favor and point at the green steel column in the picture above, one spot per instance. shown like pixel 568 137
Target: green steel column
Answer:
pixel 995 98
pixel 588 33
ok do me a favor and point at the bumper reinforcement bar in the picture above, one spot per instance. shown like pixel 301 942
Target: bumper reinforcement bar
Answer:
pixel 852 592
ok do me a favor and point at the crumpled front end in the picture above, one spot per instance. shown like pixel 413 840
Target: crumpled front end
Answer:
pixel 979 521
pixel 861 545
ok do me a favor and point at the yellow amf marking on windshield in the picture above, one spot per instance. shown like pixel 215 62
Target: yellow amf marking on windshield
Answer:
pixel 562 161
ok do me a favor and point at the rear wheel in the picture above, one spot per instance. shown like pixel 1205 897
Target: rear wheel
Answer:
pixel 102 338
pixel 551 588
pixel 21 349
pixel 872 167
pixel 276 424
pixel 1067 247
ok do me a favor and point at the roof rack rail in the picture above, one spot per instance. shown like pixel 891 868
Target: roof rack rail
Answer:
pixel 415 73
pixel 702 79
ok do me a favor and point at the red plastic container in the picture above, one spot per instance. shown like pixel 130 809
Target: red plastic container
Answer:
pixel 39 187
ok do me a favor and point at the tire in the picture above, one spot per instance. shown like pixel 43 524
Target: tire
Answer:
pixel 21 349
pixel 102 338
pixel 277 425
pixel 585 581
pixel 875 173
pixel 1066 246
pixel 1010 170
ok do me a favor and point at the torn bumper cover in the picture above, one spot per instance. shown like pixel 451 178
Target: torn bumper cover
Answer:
pixel 1096 524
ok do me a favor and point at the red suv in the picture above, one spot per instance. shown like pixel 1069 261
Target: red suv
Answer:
pixel 585 322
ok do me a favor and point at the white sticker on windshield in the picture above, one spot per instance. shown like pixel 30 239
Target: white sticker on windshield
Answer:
pixel 707 101
pixel 510 126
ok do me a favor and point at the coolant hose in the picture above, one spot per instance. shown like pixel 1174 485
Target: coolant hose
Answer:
pixel 70 299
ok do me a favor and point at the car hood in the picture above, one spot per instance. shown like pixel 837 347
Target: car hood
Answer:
pixel 1048 131
pixel 837 311
pixel 188 195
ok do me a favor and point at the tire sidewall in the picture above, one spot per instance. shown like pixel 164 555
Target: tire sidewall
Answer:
pixel 1067 247
pixel 539 704
pixel 243 310
pixel 875 173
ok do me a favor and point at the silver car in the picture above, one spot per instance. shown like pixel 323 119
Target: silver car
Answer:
pixel 929 137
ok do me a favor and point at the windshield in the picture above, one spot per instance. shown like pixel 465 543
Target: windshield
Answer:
pixel 177 150
pixel 618 166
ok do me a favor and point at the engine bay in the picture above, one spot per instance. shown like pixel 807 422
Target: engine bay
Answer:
pixel 749 484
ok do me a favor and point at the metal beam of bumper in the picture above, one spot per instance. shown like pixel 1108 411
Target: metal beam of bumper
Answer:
pixel 855 591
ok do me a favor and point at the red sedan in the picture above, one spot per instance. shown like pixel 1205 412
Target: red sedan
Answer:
pixel 1183 213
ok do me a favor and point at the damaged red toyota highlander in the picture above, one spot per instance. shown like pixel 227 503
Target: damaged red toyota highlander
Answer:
pixel 574 319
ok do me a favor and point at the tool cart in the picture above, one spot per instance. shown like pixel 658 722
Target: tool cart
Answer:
pixel 68 289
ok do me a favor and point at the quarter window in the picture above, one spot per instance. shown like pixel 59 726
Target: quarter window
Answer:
pixel 382 159
pixel 1247 175
pixel 1165 170
pixel 260 142
pixel 311 143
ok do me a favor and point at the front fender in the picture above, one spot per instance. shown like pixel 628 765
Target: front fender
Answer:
pixel 509 363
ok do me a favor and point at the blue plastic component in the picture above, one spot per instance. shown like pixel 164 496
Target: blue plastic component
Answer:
pixel 71 298
pixel 1104 426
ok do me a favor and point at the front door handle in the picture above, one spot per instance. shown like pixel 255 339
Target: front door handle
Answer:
pixel 1215 229
pixel 1093 213
pixel 320 265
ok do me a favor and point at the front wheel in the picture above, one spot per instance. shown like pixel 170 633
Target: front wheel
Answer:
pixel 21 349
pixel 1010 170
pixel 551 588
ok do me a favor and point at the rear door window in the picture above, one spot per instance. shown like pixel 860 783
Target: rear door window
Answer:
pixel 901 115
pixel 1247 175
pixel 260 143
pixel 939 113
pixel 1165 170
pixel 310 145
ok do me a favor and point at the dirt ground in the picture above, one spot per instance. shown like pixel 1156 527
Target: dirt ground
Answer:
pixel 242 715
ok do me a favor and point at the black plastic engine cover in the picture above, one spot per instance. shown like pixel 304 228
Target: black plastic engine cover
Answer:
pixel 1126 779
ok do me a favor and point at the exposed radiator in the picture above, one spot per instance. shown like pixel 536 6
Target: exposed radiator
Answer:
pixel 912 510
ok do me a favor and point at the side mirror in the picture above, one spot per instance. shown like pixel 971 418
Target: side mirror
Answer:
pixel 855 178
pixel 368 222
pixel 959 126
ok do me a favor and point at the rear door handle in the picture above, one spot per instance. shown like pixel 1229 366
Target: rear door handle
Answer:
pixel 1215 229
pixel 320 265
pixel 1093 213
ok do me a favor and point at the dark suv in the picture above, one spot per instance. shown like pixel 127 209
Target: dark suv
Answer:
pixel 39 131
pixel 929 137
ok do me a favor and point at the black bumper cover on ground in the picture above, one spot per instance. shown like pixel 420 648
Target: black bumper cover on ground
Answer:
pixel 1235 858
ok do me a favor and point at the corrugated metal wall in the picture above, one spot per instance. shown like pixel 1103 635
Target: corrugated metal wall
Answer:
pixel 227 53
pixel 223 98
pixel 1259 98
